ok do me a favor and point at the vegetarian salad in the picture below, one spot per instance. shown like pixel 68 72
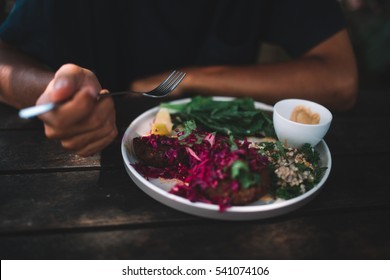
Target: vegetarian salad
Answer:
pixel 224 153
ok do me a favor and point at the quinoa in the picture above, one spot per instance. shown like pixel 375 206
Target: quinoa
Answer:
pixel 295 171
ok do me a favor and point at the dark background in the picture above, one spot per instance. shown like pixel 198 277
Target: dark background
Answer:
pixel 369 26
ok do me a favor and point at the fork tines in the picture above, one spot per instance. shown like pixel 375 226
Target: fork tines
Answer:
pixel 168 85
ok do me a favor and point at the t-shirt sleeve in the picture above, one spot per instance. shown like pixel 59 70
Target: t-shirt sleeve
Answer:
pixel 299 25
pixel 68 31
pixel 27 27
pixel 54 32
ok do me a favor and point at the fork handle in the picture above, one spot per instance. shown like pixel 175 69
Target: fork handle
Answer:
pixel 33 111
pixel 30 112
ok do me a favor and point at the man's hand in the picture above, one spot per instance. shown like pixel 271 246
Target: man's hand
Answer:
pixel 83 123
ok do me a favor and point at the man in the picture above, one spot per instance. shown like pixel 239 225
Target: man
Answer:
pixel 69 50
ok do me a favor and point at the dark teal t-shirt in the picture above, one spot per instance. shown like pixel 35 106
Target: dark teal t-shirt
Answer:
pixel 124 39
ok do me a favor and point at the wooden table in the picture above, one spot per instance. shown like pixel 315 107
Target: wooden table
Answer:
pixel 56 205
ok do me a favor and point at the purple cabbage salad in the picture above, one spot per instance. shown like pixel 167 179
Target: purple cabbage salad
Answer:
pixel 211 158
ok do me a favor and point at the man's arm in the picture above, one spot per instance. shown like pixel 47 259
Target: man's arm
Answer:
pixel 326 74
pixel 22 79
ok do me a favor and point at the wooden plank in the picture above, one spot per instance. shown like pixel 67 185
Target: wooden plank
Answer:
pixel 357 235
pixel 370 103
pixel 358 136
pixel 64 200
pixel 9 119
pixel 353 183
pixel 24 142
pixel 30 150
pixel 130 107
pixel 87 199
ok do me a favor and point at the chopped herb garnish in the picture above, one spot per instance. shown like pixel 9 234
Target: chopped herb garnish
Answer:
pixel 295 171
pixel 241 172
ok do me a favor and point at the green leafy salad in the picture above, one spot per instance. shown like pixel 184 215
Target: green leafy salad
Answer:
pixel 238 117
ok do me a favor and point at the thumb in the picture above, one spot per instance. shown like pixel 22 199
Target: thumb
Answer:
pixel 64 88
pixel 67 81
pixel 59 89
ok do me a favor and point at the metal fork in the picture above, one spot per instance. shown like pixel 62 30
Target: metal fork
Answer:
pixel 163 89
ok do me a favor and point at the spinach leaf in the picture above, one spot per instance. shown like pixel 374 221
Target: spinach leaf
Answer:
pixel 237 117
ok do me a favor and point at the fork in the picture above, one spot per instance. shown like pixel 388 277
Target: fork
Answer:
pixel 162 90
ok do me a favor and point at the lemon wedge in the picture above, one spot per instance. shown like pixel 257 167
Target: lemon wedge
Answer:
pixel 162 124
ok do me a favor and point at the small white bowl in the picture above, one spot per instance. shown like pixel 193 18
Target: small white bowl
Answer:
pixel 294 133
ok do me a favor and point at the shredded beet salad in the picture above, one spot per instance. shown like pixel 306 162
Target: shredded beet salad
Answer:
pixel 211 158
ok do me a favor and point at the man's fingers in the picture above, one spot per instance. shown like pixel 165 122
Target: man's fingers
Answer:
pixel 76 118
pixel 91 142
pixel 94 147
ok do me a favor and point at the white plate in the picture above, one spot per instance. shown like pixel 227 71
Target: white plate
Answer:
pixel 158 189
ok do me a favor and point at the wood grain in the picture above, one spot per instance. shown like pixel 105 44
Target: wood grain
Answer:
pixel 56 205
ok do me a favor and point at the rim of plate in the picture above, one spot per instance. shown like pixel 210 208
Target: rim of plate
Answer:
pixel 205 206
